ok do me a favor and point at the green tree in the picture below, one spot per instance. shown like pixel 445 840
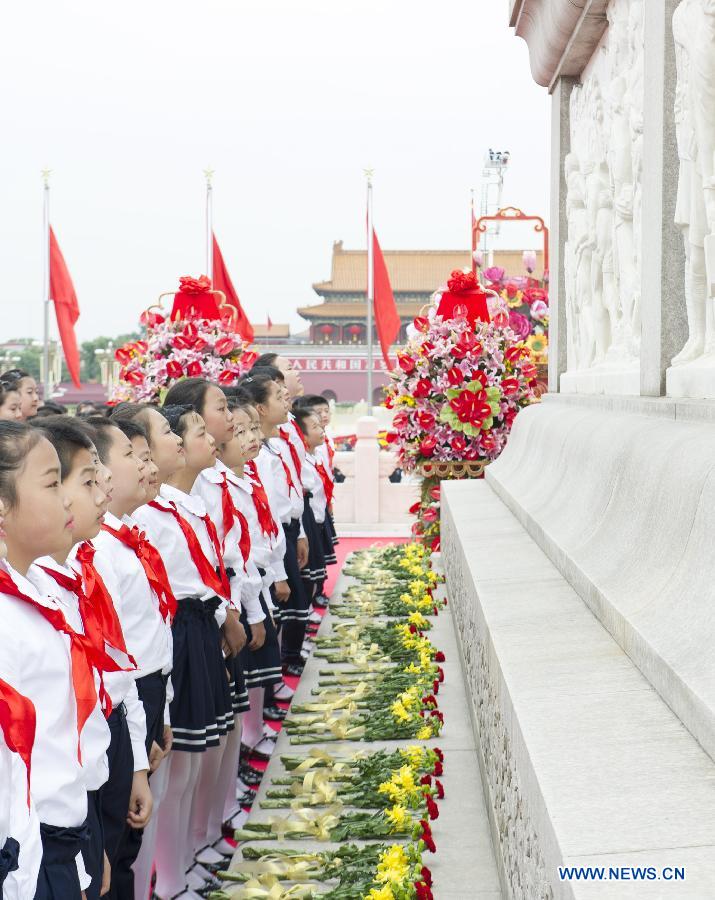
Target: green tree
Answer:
pixel 90 364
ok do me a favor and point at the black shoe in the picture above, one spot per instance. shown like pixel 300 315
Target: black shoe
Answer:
pixel 293 668
pixel 248 752
pixel 248 775
pixel 274 713
pixel 247 797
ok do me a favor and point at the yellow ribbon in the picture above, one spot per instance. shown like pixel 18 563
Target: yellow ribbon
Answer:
pixel 268 887
pixel 307 821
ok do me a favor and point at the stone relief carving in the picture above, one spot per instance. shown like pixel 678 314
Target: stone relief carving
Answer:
pixel 603 199
pixel 523 865
pixel 694 36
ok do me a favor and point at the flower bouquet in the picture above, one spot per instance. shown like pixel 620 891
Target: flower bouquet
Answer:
pixel 456 390
pixel 179 347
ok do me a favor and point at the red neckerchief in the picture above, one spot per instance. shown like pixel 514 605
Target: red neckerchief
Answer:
pixel 84 655
pixel 96 608
pixel 294 455
pixel 232 514
pixel 328 486
pixel 289 477
pixel 331 453
pixel 217 583
pixel 260 501
pixel 297 429
pixel 153 566
pixel 17 723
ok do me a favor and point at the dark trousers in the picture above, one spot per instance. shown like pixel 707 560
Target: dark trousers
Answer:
pixel 58 879
pixel 94 855
pixel 293 630
pixel 152 693
pixel 117 790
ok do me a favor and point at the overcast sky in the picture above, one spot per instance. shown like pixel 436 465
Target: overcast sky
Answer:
pixel 288 100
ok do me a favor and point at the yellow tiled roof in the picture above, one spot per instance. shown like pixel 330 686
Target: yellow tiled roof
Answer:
pixel 410 271
pixel 353 310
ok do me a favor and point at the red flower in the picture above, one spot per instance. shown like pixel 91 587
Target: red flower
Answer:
pixel 532 294
pixel 151 319
pixel 422 388
pixel 426 876
pixel 466 344
pixel 439 754
pixel 134 377
pixel 432 810
pixel 438 768
pixel 174 369
pixel 426 779
pixel 511 289
pixel 123 355
pixel 439 656
pixel 440 673
pixel 435 683
pixel 431 514
pixel 401 420
pixel 191 285
pixel 461 281
pixel 428 445
pixel 515 353
pixel 471 407
pixel 425 419
pixel 414 509
pixel 455 376
pixel 421 323
pixel 248 358
pixel 423 891
pixel 224 346
pixel 480 377
pixel 388 402
pixel 459 445
pixel 194 369
pixel 510 386
pixel 227 377
pixel 391 437
pixel 528 370
pixel 426 836
pixel 488 442
pixel 406 363
pixel 440 789
pixel 434 491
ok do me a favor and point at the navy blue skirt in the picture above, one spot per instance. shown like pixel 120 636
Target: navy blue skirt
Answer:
pixel 263 666
pixel 315 571
pixel 297 607
pixel 202 708
pixel 326 535
pixel 237 685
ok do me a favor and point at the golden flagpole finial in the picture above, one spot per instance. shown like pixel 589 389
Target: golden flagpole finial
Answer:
pixel 368 174
pixel 46 176
pixel 208 175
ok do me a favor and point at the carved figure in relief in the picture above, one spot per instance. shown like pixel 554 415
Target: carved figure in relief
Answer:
pixel 694 36
pixel 606 114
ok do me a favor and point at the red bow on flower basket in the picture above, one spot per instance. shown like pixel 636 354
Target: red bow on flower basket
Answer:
pixel 195 299
pixel 463 297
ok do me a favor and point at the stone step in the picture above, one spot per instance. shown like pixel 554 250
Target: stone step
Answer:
pixel 583 761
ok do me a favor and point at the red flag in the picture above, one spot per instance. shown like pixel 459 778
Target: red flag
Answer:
pixel 387 319
pixel 269 323
pixel 222 282
pixel 66 306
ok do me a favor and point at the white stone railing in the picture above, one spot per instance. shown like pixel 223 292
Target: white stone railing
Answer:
pixel 366 497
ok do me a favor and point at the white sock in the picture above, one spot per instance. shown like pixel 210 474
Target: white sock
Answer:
pixel 202 799
pixel 224 790
pixel 253 719
pixel 173 825
pixel 144 863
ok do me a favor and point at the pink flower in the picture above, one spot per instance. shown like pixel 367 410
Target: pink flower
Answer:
pixel 529 259
pixel 494 274
pixel 431 514
pixel 539 310
pixel 519 325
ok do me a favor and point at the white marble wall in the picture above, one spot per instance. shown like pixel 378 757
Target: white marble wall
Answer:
pixel 693 370
pixel 603 205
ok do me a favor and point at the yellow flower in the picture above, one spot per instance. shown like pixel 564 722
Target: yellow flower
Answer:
pixel 399 711
pixel 424 734
pixel 418 620
pixel 393 866
pixel 383 893
pixel 398 817
pixel 391 789
pixel 414 754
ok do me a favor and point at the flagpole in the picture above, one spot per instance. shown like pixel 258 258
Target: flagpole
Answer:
pixel 208 173
pixel 46 284
pixel 370 286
